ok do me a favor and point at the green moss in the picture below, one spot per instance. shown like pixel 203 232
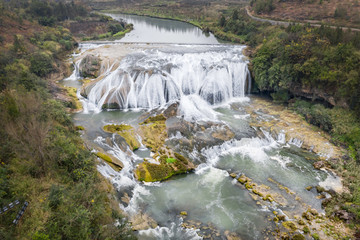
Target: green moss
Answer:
pixel 248 186
pixel 307 216
pixel 125 131
pixel 298 237
pixel 104 157
pixel 153 131
pixel 113 128
pixel 79 128
pixel 315 236
pixel 242 179
pixel 268 197
pixel 289 225
pixel 183 213
pixel 301 222
pixel 181 158
pixel 130 139
pixel 170 160
pixel 320 189
pixel 233 175
pixel 306 230
pixel 257 192
pixel 155 172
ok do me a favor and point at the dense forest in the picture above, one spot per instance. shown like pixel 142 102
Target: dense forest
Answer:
pixel 43 160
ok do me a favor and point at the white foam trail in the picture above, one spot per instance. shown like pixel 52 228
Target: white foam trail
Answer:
pixel 76 73
pixel 281 138
pixel 254 148
pixel 174 231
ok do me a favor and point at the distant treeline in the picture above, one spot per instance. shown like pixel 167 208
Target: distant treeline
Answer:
pixel 48 12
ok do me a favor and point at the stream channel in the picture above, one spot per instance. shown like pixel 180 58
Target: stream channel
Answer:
pixel 162 64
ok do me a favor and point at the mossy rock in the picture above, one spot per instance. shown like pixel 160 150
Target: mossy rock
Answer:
pixel 242 179
pixel 154 119
pixel 306 230
pixel 257 192
pixel 307 216
pixel 113 128
pixel 181 158
pixel 72 92
pixel 125 131
pixel 113 162
pixel 153 132
pixel 183 213
pixel 150 172
pixel 298 237
pixel 233 175
pixel 315 236
pixel 289 225
pixel 79 128
pixel 248 186
pixel 269 198
pixel 301 222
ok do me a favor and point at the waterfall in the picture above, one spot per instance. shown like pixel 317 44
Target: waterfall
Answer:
pixel 76 73
pixel 152 78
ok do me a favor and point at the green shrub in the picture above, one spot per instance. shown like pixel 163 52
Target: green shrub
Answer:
pixel 40 236
pixel 280 96
pixel 41 64
pixel 170 160
pixel 55 196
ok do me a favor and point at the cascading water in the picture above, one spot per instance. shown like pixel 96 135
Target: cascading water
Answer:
pixel 207 82
pixel 76 73
pixel 153 78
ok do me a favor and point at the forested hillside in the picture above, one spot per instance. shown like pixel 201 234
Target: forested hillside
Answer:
pixel 43 160
pixel 335 12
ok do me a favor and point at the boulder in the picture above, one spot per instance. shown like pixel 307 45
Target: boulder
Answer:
pixel 90 66
pixel 319 164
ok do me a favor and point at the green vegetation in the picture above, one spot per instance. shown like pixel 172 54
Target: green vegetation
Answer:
pixel 116 30
pixel 42 158
pixel 104 157
pixel 170 160
pixel 262 6
pixel 315 236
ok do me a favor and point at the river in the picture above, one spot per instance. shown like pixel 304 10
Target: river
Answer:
pixel 171 62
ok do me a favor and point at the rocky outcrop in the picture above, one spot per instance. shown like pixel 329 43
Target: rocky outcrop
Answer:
pixel 166 162
pixel 317 94
pixel 90 66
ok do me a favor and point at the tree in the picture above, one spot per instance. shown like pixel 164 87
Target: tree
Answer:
pixel 222 21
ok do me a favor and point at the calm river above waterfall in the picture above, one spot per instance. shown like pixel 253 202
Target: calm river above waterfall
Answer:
pixel 248 178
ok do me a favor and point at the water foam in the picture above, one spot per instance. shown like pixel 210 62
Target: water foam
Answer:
pixel 152 78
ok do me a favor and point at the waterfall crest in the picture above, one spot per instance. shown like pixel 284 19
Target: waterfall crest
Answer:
pixel 153 78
